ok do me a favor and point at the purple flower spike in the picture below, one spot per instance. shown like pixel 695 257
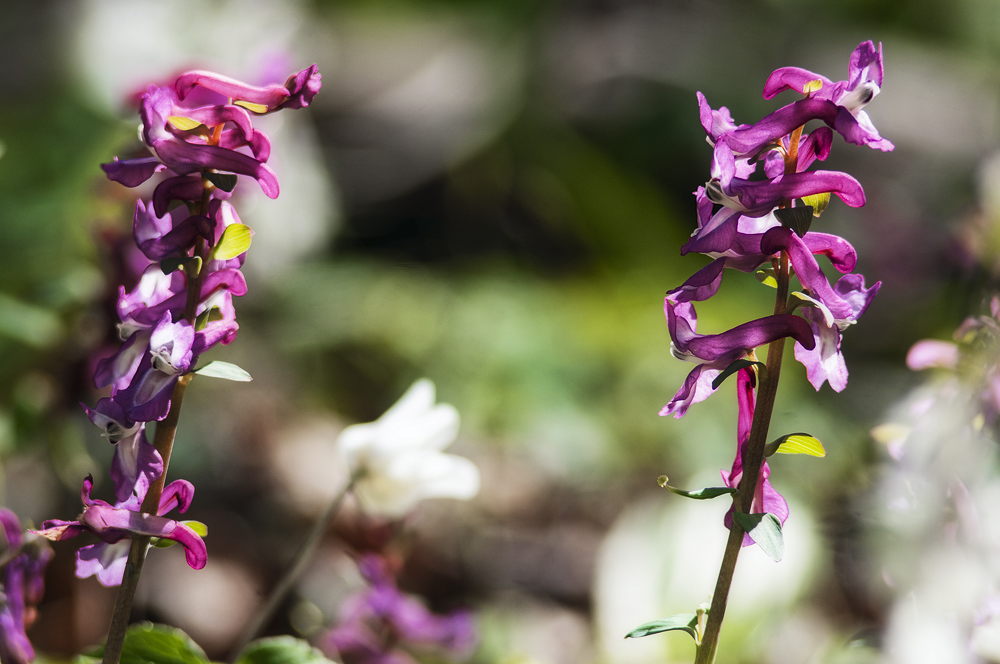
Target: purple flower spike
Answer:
pixel 21 587
pixel 376 622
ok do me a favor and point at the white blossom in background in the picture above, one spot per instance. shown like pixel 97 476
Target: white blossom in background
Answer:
pixel 399 455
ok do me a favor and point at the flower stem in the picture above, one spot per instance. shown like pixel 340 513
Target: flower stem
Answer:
pixel 294 571
pixel 752 463
pixel 164 442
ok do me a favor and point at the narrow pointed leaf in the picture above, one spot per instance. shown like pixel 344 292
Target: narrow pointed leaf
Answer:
pixel 224 370
pixel 699 494
pixel 796 443
pixel 234 241
pixel 684 622
pixel 765 530
pixel 734 367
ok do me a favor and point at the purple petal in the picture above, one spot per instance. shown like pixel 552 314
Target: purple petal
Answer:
pixel 269 95
pixel 179 494
pixel 132 172
pixel 791 78
pixel 135 466
pixel 932 354
pixel 302 87
pixel 702 285
pixel 106 560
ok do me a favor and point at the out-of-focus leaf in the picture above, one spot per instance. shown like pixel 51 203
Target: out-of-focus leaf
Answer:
pixel 281 650
pixel 27 323
pixel 147 643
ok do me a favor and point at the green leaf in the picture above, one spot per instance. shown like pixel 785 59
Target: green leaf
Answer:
pixel 765 530
pixel 208 316
pixel 796 443
pixel 766 277
pixel 736 366
pixel 281 650
pixel 699 494
pixel 234 241
pixel 224 181
pixel 224 370
pixel 685 622
pixel 168 265
pixel 29 324
pixel 146 643
pixel 818 202
pixel 799 219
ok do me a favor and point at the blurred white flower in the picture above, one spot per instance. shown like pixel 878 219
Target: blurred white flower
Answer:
pixel 399 455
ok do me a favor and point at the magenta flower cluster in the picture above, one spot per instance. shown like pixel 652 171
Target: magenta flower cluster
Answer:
pixel 378 624
pixel 22 578
pixel 745 222
pixel 200 135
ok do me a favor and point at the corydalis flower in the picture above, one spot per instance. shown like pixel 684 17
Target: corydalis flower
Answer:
pixel 376 622
pixel 398 457
pixel 712 353
pixel 22 579
pixel 117 524
pixel 863 83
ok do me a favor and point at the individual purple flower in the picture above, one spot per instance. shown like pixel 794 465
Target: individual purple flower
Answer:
pixel 758 198
pixel 136 463
pixel 170 355
pixel 297 92
pixel 376 622
pixel 22 576
pixel 863 83
pixel 117 524
pixel 714 352
pixel 830 310
pixel 172 234
pixel 765 498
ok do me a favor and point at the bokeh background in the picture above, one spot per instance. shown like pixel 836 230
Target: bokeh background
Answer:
pixel 492 194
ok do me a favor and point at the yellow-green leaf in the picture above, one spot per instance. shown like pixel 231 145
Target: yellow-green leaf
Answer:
pixel 766 277
pixel 796 443
pixel 235 240
pixel 183 123
pixel 250 106
pixel 818 202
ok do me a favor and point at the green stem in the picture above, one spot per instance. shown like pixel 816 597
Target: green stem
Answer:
pixel 751 469
pixel 294 571
pixel 163 441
